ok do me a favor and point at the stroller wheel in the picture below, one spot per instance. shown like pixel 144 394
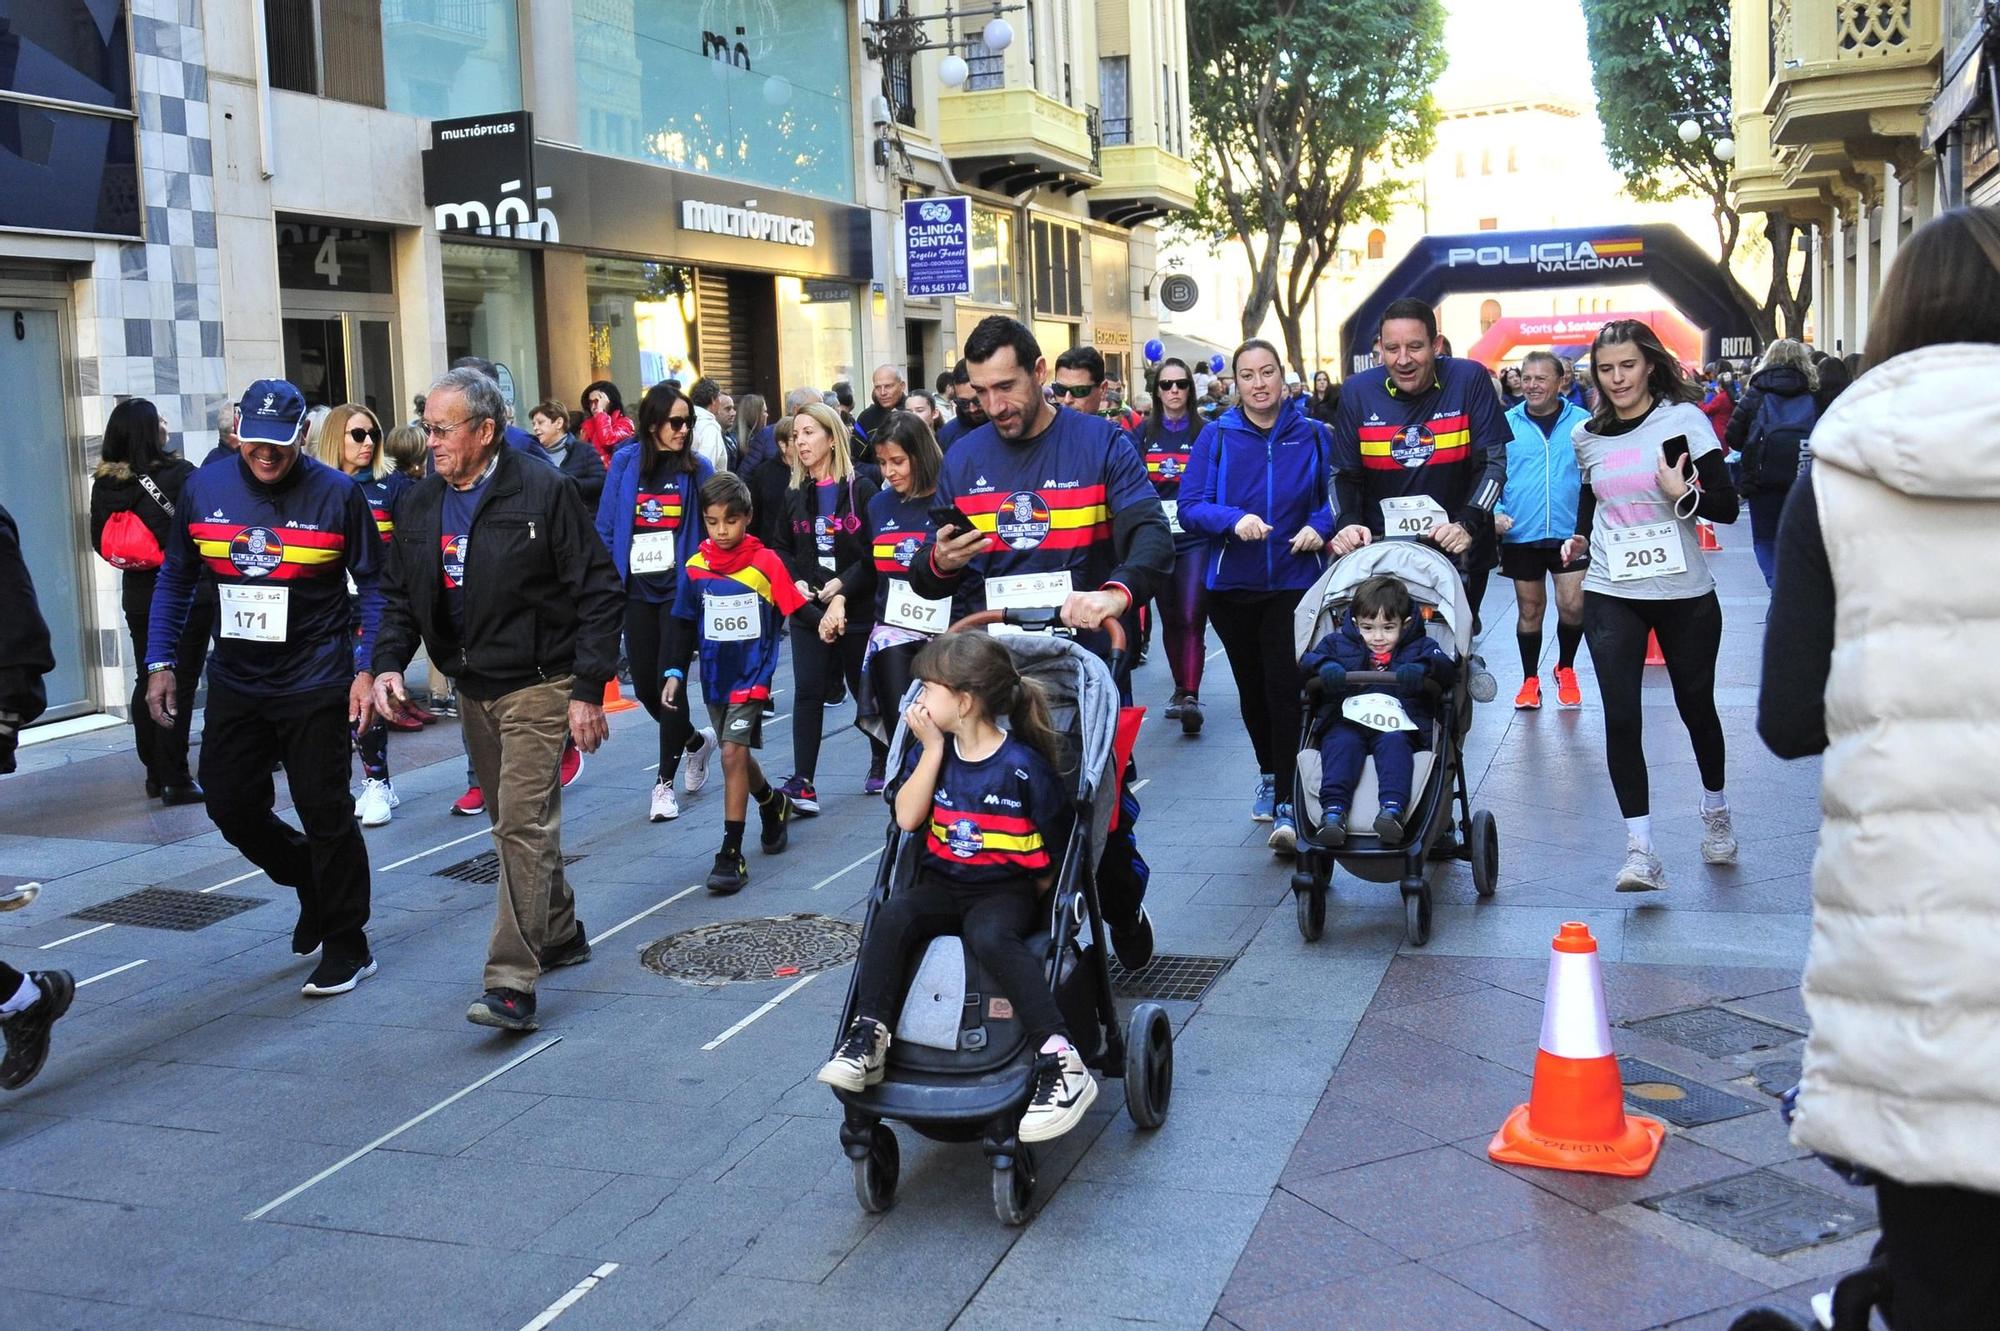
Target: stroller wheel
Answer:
pixel 1149 1065
pixel 875 1173
pixel 1417 914
pixel 1014 1187
pixel 1485 852
pixel 1310 901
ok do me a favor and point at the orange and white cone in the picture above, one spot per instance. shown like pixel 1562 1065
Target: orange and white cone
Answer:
pixel 1709 544
pixel 614 697
pixel 1654 656
pixel 1575 1116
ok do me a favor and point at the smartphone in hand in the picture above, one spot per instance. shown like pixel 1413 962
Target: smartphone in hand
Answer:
pixel 1675 450
pixel 950 515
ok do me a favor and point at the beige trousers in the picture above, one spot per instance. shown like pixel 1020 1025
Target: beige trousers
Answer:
pixel 516 745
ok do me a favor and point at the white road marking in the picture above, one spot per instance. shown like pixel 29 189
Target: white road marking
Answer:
pixel 576 1291
pixel 231 882
pixel 856 865
pixel 82 933
pixel 455 841
pixel 399 1130
pixel 744 1024
pixel 1139 785
pixel 644 913
pixel 1217 652
pixel 115 970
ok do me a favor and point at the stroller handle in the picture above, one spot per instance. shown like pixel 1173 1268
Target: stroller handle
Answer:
pixel 1369 681
pixel 1039 618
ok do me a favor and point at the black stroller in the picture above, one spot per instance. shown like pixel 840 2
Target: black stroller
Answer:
pixel 959 1069
pixel 1440 770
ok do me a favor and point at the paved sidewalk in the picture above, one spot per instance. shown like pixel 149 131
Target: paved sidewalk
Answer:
pixel 1322 1166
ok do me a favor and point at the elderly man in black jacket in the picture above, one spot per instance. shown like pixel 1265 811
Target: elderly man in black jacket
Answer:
pixel 496 568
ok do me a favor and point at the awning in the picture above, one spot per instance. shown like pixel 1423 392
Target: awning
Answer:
pixel 1957 94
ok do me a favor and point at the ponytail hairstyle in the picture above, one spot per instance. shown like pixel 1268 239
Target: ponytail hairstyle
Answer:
pixel 977 664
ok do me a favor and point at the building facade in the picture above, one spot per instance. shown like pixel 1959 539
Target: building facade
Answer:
pixel 207 194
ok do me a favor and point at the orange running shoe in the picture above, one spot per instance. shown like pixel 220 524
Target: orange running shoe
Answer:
pixel 1567 692
pixel 1530 697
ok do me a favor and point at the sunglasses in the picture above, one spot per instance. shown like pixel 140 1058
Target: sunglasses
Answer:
pixel 1170 385
pixel 1078 391
pixel 359 433
pixel 677 422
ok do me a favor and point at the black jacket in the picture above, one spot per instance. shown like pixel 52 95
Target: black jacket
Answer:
pixel 541 596
pixel 25 655
pixel 798 546
pixel 582 465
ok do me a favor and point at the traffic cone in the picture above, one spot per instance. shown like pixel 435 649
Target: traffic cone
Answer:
pixel 1575 1116
pixel 1709 544
pixel 614 697
pixel 1654 656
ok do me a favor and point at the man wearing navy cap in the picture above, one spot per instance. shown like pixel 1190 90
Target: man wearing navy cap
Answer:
pixel 280 534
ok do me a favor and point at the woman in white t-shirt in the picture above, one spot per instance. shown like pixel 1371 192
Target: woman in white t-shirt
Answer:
pixel 1651 465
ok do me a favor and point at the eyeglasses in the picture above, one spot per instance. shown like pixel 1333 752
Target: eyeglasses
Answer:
pixel 359 433
pixel 677 422
pixel 1176 385
pixel 1078 391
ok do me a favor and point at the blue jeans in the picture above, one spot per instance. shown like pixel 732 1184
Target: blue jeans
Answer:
pixel 1346 746
pixel 1765 508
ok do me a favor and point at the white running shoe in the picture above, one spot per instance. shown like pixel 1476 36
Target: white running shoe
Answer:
pixel 378 799
pixel 694 766
pixel 1642 871
pixel 1718 841
pixel 665 806
pixel 1064 1088
pixel 857 1064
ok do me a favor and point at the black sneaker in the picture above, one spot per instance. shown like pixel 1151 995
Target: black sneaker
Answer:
pixel 504 1009
pixel 1333 826
pixel 1389 824
pixel 305 939
pixel 573 953
pixel 776 817
pixel 1132 940
pixel 1191 717
pixel 337 975
pixel 730 873
pixel 27 1031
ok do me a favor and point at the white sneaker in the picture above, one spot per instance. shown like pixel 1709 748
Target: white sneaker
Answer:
pixel 1642 871
pixel 694 766
pixel 665 806
pixel 1718 842
pixel 377 799
pixel 857 1064
pixel 1064 1088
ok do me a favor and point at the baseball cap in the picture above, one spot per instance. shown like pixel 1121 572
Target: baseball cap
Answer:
pixel 273 412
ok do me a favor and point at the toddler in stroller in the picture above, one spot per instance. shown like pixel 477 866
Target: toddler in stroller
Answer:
pixel 1380 632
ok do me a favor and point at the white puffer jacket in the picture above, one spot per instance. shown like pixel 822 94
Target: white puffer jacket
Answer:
pixel 1902 981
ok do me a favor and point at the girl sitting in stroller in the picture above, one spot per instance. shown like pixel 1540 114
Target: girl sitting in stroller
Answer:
pixel 995 821
pixel 1379 632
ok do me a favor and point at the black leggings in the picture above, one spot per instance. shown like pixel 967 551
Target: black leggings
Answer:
pixel 164 752
pixel 814 666
pixel 889 676
pixel 992 918
pixel 1256 632
pixel 1690 633
pixel 646 627
pixel 1941 1254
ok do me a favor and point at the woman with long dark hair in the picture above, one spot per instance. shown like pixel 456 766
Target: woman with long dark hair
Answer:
pixel 605 424
pixel 649 517
pixel 1169 433
pixel 1325 404
pixel 1651 466
pixel 139 478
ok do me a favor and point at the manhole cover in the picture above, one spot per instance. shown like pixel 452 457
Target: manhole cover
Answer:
pixel 1714 1032
pixel 483 868
pixel 1168 975
pixel 167 908
pixel 775 948
pixel 1770 1213
pixel 1683 1103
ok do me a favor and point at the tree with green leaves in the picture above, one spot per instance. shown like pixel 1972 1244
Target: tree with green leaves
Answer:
pixel 1303 108
pixel 1655 63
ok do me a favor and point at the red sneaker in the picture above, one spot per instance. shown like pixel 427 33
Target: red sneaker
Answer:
pixel 572 763
pixel 1567 692
pixel 472 802
pixel 1530 697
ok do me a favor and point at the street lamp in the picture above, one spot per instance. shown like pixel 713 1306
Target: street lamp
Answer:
pixel 900 35
pixel 1691 130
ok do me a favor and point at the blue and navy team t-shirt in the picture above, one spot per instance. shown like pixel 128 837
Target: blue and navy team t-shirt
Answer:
pixel 1047 501
pixel 663 504
pixel 1000 818
pixel 717 603
pixel 896 529
pixel 454 535
pixel 383 493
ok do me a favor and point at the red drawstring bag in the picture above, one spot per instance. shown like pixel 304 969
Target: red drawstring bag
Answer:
pixel 129 544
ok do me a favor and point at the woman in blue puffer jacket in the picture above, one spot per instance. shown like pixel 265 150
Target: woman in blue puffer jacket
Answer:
pixel 1259 487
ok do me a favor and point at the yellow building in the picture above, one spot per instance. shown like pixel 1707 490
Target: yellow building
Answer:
pixel 1829 100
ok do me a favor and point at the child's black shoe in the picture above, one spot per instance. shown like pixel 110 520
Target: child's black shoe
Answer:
pixel 1389 824
pixel 1333 828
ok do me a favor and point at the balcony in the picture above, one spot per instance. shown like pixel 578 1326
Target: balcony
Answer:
pixel 1851 70
pixel 1142 183
pixel 1012 139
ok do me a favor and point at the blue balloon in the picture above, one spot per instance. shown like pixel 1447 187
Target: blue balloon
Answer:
pixel 1156 351
pixel 1215 363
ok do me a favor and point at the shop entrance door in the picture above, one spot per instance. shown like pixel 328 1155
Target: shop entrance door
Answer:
pixel 40 475
pixel 737 332
pixel 343 357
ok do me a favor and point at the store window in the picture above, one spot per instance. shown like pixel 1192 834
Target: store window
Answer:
pixel 992 257
pixel 442 59
pixel 753 90
pixel 489 311
pixel 67 160
pixel 642 318
pixel 817 340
